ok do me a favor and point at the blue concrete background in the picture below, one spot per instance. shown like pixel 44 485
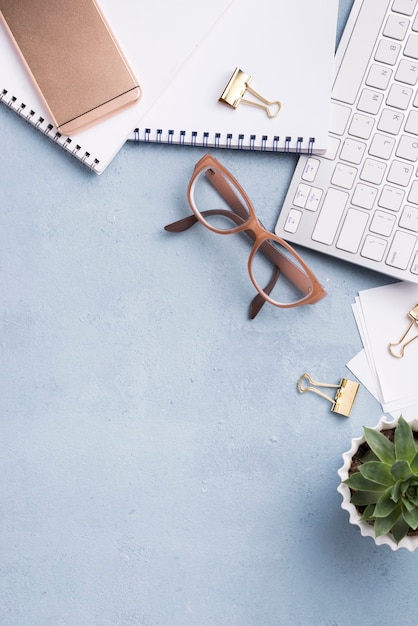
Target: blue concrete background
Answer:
pixel 158 466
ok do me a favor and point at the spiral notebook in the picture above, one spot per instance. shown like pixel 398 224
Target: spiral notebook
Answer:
pixel 288 50
pixel 183 55
pixel 156 38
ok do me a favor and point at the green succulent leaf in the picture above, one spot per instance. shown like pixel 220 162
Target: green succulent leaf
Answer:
pixel 383 525
pixel 411 518
pixel 369 455
pixel 401 470
pixel 396 491
pixel 405 449
pixel 364 498
pixel 368 513
pixel 408 505
pixel 380 445
pixel 399 530
pixel 413 500
pixel 359 482
pixel 385 505
pixel 377 472
pixel 414 464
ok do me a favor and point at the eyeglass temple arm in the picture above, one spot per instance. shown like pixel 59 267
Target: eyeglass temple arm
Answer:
pixel 180 225
pixel 258 300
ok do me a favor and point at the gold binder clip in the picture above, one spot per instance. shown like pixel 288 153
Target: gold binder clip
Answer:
pixel 413 315
pixel 344 397
pixel 234 92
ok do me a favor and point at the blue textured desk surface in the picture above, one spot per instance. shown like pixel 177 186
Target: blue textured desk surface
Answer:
pixel 158 466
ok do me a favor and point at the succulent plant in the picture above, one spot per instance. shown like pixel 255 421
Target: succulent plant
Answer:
pixel 385 483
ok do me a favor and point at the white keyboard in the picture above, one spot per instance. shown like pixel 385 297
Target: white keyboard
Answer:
pixel 359 201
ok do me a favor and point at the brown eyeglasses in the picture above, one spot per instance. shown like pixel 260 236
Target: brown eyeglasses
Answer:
pixel 220 203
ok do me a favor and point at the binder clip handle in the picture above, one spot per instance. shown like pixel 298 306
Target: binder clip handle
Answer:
pixel 238 85
pixel 397 348
pixel 313 389
pixel 344 397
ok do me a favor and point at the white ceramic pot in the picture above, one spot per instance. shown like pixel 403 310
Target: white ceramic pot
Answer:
pixel 410 542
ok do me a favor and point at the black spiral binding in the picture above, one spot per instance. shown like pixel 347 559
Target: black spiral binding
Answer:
pixel 266 144
pixel 48 130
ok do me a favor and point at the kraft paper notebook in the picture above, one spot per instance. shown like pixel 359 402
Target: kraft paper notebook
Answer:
pixel 288 50
pixel 156 38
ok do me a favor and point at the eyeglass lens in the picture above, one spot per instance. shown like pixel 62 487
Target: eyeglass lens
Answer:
pixel 274 281
pixel 228 206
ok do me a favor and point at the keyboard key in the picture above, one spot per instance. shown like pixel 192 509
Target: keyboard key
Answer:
pixel 413 193
pixel 344 176
pixel 414 266
pixel 411 48
pixel 373 248
pixel 352 230
pixel 373 171
pixel 409 218
pixel 361 126
pixel 407 148
pixel 381 146
pixel 301 195
pixel 310 169
pixel 292 221
pixel 400 173
pixel 401 250
pixel 387 51
pixel 390 121
pixel 411 125
pixel 330 216
pixel 382 223
pixel 396 27
pixel 378 76
pixel 391 198
pixel 370 101
pixel 352 151
pixel 313 199
pixel 399 96
pixel 332 148
pixel 407 72
pixel 407 7
pixel 364 196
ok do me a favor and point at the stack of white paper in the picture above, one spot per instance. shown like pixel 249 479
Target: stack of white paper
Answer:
pixel 382 318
